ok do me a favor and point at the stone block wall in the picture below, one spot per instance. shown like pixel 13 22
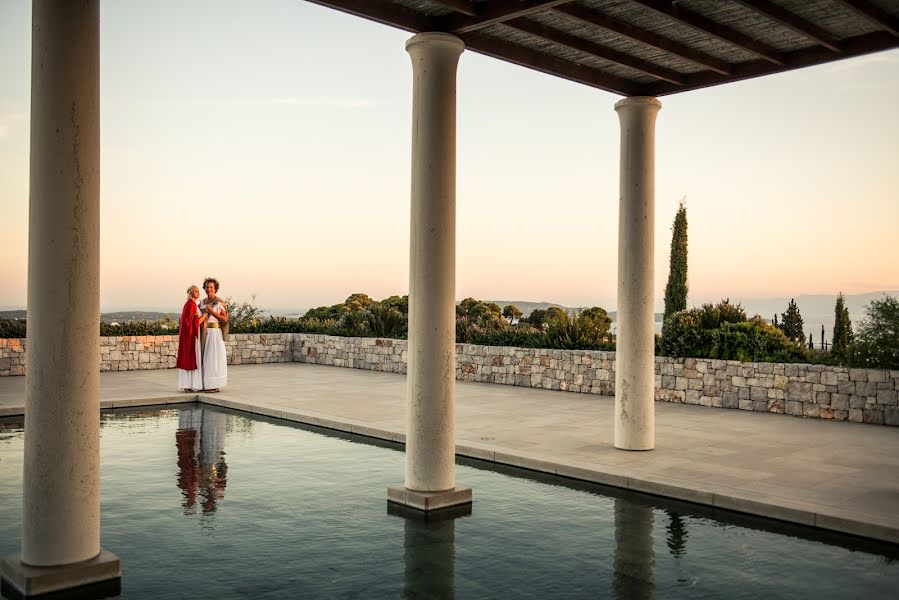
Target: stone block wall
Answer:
pixel 12 357
pixel 372 354
pixel 130 353
pixel 815 391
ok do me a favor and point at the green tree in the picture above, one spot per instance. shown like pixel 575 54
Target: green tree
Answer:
pixel 537 318
pixel 401 303
pixel 842 329
pixel 482 316
pixel 512 312
pixel 243 314
pixel 676 290
pixel 811 342
pixel 358 301
pixel 556 314
pixel 791 323
pixel 876 345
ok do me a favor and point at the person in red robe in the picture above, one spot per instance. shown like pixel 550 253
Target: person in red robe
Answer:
pixel 190 377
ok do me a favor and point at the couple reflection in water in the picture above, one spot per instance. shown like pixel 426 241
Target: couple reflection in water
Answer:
pixel 202 470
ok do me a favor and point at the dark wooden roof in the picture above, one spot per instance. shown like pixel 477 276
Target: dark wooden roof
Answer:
pixel 650 47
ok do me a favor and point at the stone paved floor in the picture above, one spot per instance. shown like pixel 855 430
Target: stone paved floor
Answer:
pixel 835 475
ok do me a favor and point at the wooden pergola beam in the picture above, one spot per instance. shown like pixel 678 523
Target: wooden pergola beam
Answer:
pixel 394 15
pixel 545 63
pixel 594 49
pixel 794 22
pixel 647 38
pixel 813 55
pixel 496 11
pixel 875 14
pixel 710 27
pixel 466 7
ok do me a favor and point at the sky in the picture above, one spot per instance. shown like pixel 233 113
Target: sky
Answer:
pixel 286 127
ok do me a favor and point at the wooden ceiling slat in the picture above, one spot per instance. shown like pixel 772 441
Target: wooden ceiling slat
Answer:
pixel 545 63
pixel 874 14
pixel 794 22
pixel 382 12
pixel 466 7
pixel 645 37
pixel 594 49
pixel 496 11
pixel 722 32
pixel 814 55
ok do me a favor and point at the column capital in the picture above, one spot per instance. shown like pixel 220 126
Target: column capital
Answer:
pixel 435 38
pixel 649 102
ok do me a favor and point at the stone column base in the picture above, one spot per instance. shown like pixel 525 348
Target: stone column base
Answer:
pixel 30 581
pixel 428 501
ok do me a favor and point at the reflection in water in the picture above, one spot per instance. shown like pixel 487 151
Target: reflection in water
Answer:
pixel 633 551
pixel 202 470
pixel 429 550
pixel 677 534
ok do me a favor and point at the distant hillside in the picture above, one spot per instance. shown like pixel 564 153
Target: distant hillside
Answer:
pixel 125 316
pixel 527 307
pixel 814 304
pixel 122 316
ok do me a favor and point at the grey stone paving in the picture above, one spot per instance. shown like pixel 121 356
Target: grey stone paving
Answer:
pixel 835 475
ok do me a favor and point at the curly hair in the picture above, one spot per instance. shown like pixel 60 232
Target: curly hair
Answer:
pixel 191 289
pixel 212 280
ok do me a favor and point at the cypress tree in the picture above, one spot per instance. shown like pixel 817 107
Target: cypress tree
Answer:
pixel 842 328
pixel 811 342
pixel 676 289
pixel 791 323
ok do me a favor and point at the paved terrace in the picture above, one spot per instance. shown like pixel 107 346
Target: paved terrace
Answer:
pixel 834 475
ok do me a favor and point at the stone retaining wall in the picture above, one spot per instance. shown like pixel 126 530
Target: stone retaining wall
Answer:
pixel 838 393
pixel 129 353
pixel 859 395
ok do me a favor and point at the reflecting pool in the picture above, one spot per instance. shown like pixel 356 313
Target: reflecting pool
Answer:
pixel 209 503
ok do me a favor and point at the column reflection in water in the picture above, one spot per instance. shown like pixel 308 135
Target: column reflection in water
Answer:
pixel 202 470
pixel 633 551
pixel 429 550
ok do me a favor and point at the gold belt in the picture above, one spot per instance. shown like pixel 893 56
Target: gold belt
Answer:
pixel 213 325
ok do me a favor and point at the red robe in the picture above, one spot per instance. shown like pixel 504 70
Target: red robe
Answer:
pixel 188 332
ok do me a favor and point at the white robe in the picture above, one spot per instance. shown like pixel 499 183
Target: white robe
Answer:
pixel 215 359
pixel 192 380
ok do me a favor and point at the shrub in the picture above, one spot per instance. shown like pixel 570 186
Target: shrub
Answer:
pixel 876 345
pixel 387 321
pixel 12 328
pixel 352 324
pixel 243 315
pixel 586 330
pixel 722 331
pixel 164 327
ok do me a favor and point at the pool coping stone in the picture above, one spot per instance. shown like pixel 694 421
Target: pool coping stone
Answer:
pixel 33 581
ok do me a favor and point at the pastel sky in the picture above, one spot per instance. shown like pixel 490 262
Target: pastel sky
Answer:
pixel 270 143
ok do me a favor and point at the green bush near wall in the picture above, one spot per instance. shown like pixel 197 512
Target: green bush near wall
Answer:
pixel 12 328
pixel 721 331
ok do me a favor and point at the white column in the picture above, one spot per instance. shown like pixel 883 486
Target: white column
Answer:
pixel 61 516
pixel 635 354
pixel 431 387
